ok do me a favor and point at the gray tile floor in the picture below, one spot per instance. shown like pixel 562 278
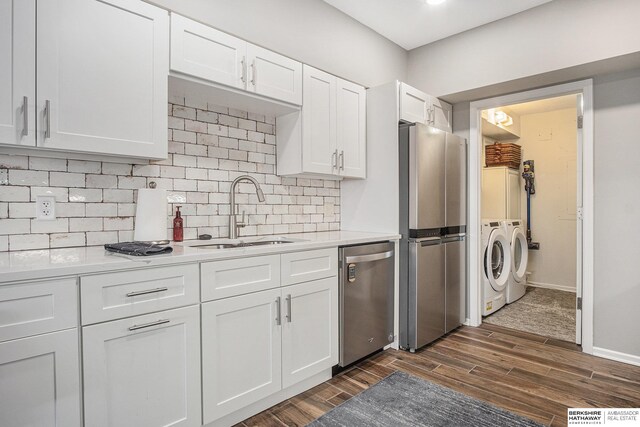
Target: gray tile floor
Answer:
pixel 541 311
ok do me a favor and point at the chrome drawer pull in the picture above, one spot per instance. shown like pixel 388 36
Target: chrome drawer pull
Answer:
pixel 278 315
pixel 25 115
pixel 289 308
pixel 148 291
pixel 47 111
pixel 148 325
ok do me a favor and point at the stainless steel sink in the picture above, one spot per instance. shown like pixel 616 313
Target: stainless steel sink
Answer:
pixel 242 244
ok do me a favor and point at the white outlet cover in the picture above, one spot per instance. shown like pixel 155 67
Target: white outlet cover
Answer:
pixel 45 208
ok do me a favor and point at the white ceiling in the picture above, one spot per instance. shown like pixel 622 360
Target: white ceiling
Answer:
pixel 542 106
pixel 414 23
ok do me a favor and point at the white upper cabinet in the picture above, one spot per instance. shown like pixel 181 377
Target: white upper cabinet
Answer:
pixel 328 139
pixel 319 136
pixel 102 77
pixel 201 51
pixel 414 104
pixel 352 137
pixel 17 72
pixel 418 107
pixel 274 75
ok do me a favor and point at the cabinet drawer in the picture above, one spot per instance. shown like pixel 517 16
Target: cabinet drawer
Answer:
pixel 301 267
pixel 37 307
pixel 223 279
pixel 130 293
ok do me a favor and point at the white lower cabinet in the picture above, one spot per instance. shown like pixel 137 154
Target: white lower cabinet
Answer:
pixel 240 352
pixel 40 380
pixel 310 329
pixel 258 344
pixel 144 371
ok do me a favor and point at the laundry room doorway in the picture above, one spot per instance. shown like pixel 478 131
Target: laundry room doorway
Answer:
pixel 531 212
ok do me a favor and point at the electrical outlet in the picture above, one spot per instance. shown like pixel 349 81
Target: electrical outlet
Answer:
pixel 45 208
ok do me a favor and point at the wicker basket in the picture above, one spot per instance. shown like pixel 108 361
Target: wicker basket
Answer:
pixel 503 154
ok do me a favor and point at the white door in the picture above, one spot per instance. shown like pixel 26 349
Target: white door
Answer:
pixel 514 183
pixel 204 52
pixel 414 105
pixel 102 77
pixel 310 329
pixel 17 72
pixel 40 380
pixel 274 75
pixel 319 152
pixel 351 132
pixel 579 217
pixel 441 115
pixel 241 364
pixel 143 371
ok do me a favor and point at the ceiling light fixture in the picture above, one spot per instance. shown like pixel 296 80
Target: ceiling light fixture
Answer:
pixel 435 2
pixel 503 119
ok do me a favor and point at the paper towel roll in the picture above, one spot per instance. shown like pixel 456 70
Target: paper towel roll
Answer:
pixel 151 215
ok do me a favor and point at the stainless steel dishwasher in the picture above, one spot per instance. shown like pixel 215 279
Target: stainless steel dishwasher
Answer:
pixel 366 299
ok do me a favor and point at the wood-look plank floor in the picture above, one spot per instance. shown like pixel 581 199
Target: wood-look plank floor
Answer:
pixel 531 375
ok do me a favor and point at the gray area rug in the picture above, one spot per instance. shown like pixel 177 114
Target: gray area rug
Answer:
pixel 541 311
pixel 404 400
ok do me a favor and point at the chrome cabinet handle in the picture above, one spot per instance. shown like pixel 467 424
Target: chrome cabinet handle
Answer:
pixel 148 325
pixel 278 314
pixel 25 115
pixel 47 112
pixel 243 75
pixel 342 159
pixel 254 73
pixel 334 160
pixel 148 291
pixel 289 308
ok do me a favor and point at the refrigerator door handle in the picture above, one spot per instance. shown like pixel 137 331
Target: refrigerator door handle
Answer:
pixel 430 242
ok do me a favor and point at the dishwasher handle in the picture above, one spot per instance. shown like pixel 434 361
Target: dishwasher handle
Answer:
pixel 368 258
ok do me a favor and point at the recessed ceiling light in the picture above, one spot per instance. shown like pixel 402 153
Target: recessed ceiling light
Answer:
pixel 434 2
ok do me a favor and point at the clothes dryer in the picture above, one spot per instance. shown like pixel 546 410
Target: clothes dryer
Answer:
pixel 496 266
pixel 519 257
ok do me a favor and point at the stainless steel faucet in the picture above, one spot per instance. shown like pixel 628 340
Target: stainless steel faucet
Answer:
pixel 234 225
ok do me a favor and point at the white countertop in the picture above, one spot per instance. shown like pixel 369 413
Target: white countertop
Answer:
pixel 29 265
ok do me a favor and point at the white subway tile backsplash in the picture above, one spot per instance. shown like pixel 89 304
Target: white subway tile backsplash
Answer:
pixel 209 146
pixel 28 177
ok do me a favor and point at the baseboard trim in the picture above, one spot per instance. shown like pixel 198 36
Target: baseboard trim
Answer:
pixel 552 286
pixel 617 356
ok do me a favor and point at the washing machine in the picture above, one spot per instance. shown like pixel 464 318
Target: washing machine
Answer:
pixel 519 257
pixel 496 266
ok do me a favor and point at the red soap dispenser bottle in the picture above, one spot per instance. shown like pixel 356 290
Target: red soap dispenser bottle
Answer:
pixel 178 232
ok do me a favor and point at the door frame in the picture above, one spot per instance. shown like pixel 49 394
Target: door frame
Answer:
pixel 585 264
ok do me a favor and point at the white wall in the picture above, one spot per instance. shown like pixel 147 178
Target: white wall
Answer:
pixel 557 35
pixel 310 31
pixel 617 212
pixel 550 140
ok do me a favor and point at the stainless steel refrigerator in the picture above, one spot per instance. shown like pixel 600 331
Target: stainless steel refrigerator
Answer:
pixel 433 174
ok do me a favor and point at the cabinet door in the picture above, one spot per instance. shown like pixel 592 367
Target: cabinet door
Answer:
pixel 241 363
pixel 201 51
pixel 513 197
pixel 102 77
pixel 351 131
pixel 143 371
pixel 414 105
pixel 17 72
pixel 441 115
pixel 310 329
pixel 274 75
pixel 40 380
pixel 319 152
